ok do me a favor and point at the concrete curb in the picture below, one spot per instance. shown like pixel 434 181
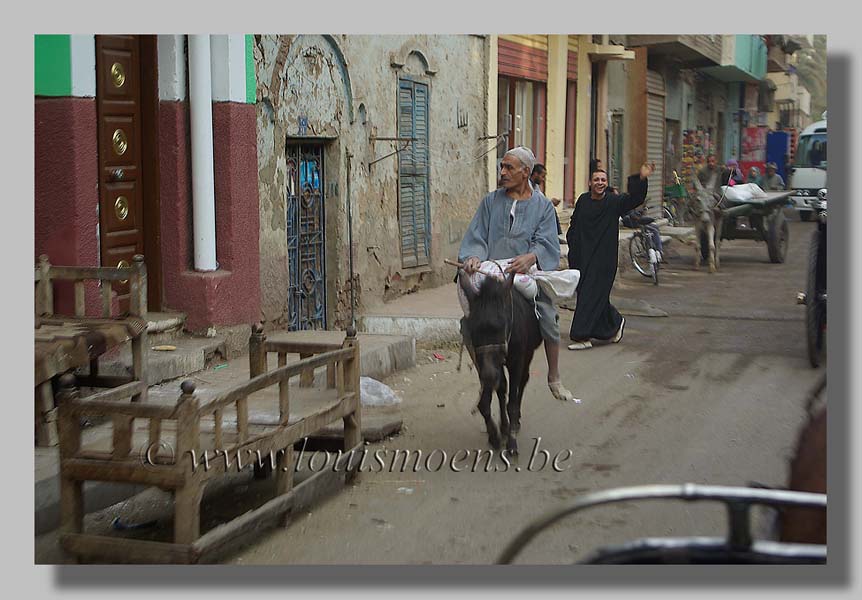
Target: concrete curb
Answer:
pixel 426 329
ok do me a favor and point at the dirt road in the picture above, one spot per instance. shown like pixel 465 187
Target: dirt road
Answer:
pixel 714 393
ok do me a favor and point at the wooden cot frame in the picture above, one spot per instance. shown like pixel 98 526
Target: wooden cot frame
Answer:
pixel 134 386
pixel 180 475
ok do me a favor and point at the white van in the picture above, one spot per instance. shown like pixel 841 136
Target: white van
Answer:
pixel 808 173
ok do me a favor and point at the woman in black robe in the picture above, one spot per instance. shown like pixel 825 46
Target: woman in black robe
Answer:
pixel 593 239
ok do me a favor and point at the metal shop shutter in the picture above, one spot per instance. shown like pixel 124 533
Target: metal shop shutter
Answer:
pixel 413 196
pixel 655 140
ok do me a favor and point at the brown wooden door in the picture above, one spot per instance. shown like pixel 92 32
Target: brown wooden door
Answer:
pixel 118 95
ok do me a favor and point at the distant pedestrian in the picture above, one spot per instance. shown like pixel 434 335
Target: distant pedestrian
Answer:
pixel 754 176
pixel 735 173
pixel 772 181
pixel 537 180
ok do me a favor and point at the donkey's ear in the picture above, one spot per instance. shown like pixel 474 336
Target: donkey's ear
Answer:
pixel 464 282
pixel 510 281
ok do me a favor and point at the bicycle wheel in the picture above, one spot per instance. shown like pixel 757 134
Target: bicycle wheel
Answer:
pixel 639 253
pixel 655 268
pixel 668 214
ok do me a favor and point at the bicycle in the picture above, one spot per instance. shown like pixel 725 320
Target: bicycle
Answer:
pixel 674 205
pixel 642 250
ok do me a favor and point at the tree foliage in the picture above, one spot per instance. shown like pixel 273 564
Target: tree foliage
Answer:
pixel 811 69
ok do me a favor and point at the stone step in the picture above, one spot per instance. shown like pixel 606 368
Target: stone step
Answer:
pixel 191 354
pixel 162 327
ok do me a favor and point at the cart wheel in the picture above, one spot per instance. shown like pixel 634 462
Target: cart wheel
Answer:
pixel 779 237
pixel 815 307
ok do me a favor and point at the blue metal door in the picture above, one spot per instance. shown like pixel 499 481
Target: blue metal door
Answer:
pixel 777 150
pixel 306 237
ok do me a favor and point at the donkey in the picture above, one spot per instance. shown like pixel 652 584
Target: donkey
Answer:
pixel 707 232
pixel 502 329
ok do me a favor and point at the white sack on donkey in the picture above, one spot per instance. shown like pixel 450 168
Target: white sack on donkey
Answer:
pixel 559 286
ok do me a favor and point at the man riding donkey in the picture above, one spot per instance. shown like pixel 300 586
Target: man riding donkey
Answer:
pixel 517 222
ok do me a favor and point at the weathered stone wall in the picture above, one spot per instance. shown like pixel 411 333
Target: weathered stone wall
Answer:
pixel 345 88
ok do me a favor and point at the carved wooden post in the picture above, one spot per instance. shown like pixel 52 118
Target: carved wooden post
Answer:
pixel 71 490
pixel 138 291
pixel 353 421
pixel 306 377
pixel 187 499
pixel 256 351
pixel 138 308
pixel 46 287
pixel 257 365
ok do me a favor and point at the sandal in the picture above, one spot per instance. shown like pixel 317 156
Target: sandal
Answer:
pixel 561 393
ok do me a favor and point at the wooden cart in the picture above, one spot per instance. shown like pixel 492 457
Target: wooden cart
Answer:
pixel 165 448
pixel 760 219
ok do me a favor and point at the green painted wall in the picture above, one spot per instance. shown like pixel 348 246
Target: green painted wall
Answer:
pixel 53 65
pixel 250 80
pixel 751 55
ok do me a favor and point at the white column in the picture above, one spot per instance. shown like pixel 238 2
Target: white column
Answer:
pixel 492 108
pixel 203 189
pixel 172 68
pixel 83 51
pixel 228 67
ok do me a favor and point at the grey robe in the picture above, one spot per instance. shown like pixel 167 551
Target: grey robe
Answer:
pixel 534 230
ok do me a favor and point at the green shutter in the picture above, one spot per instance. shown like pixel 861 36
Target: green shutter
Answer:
pixel 53 65
pixel 413 167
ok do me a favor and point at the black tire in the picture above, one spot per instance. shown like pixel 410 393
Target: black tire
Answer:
pixel 778 239
pixel 805 215
pixel 815 307
pixel 655 269
pixel 639 254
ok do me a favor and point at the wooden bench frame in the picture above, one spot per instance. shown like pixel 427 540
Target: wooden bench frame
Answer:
pixel 135 385
pixel 179 474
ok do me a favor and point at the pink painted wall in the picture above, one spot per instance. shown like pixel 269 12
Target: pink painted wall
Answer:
pixel 66 190
pixel 230 295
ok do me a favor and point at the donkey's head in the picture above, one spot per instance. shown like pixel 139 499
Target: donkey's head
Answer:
pixel 490 325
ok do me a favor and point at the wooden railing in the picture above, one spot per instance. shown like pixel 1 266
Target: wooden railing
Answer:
pixel 136 275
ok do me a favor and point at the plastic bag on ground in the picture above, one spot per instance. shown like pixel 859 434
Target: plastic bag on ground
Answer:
pixel 374 393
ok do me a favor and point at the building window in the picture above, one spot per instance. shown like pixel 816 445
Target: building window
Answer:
pixel 521 114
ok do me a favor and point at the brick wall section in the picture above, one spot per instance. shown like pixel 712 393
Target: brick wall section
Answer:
pixel 66 191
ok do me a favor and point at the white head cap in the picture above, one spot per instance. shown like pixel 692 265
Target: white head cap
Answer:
pixel 525 155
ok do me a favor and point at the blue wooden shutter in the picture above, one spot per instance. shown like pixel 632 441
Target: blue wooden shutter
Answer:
pixel 413 167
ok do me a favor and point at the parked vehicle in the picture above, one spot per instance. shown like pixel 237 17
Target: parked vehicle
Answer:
pixel 814 297
pixel 808 172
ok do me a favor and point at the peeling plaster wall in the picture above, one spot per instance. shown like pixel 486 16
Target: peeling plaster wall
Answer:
pixel 346 86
